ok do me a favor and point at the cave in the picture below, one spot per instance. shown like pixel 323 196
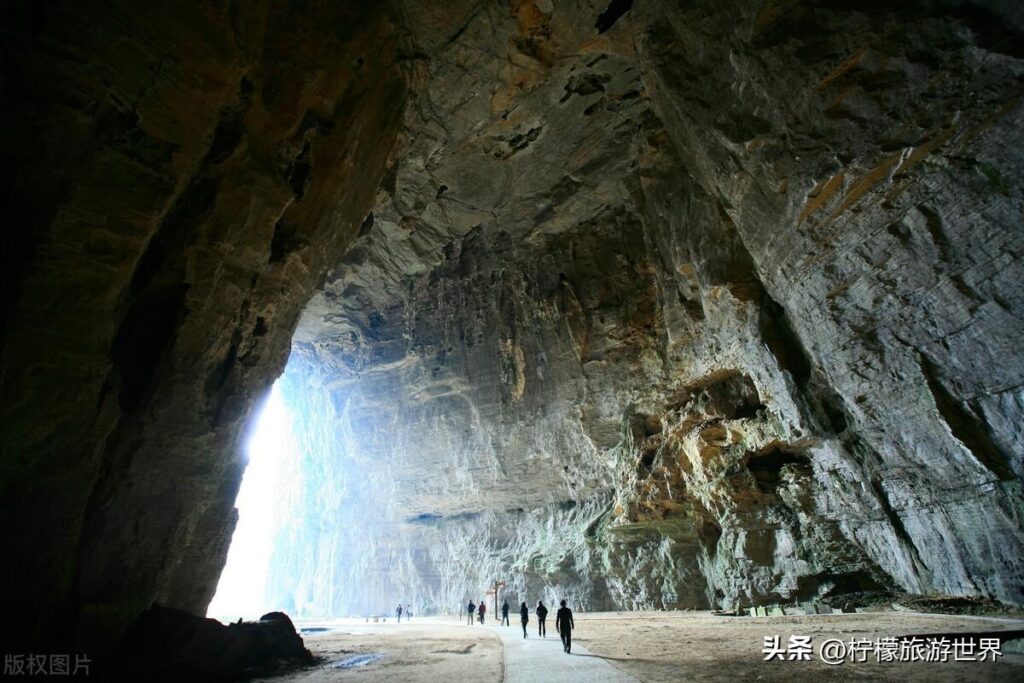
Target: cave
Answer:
pixel 650 307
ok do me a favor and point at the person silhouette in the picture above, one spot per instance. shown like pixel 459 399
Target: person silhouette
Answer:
pixel 542 614
pixel 398 612
pixel 564 625
pixel 524 614
pixel 504 613
pixel 471 609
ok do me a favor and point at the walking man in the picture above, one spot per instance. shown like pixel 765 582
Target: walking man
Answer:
pixel 504 614
pixel 542 614
pixel 399 613
pixel 472 612
pixel 524 614
pixel 482 610
pixel 564 625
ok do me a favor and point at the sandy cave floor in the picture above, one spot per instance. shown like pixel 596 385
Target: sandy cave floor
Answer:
pixel 651 646
pixel 425 650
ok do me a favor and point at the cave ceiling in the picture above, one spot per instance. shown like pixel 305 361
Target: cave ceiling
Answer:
pixel 650 305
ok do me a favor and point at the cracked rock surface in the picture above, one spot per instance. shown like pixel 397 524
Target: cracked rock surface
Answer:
pixel 665 305
pixel 716 307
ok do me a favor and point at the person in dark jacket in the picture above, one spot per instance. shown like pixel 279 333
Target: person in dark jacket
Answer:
pixel 542 614
pixel 564 625
pixel 399 613
pixel 524 614
pixel 482 610
pixel 504 613
pixel 472 612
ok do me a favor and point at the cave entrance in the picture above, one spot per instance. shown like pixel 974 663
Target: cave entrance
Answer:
pixel 262 502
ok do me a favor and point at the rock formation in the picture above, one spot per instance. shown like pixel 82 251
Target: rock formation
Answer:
pixel 170 645
pixel 649 304
pixel 627 325
pixel 178 179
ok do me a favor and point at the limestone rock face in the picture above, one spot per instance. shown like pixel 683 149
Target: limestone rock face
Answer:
pixel 717 306
pixel 676 305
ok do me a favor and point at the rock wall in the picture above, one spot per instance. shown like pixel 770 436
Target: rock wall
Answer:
pixel 176 179
pixel 648 304
pixel 715 307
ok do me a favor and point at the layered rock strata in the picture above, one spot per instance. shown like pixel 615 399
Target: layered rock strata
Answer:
pixel 718 306
pixel 661 306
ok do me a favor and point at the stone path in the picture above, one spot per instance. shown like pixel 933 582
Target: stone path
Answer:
pixel 536 659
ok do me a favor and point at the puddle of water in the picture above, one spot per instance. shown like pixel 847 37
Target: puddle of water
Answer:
pixel 356 661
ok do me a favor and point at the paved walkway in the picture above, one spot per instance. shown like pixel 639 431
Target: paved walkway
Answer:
pixel 540 659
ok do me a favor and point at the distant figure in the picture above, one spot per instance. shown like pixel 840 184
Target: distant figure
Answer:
pixel 482 610
pixel 408 612
pixel 399 613
pixel 504 614
pixel 564 625
pixel 524 614
pixel 542 614
pixel 472 612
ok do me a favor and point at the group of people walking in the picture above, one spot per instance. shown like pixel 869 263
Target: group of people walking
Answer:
pixel 563 619
pixel 480 611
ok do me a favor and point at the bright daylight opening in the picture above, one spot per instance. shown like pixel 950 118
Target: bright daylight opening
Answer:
pixel 271 450
pixel 316 536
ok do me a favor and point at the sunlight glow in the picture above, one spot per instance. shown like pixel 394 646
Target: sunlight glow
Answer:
pixel 271 451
